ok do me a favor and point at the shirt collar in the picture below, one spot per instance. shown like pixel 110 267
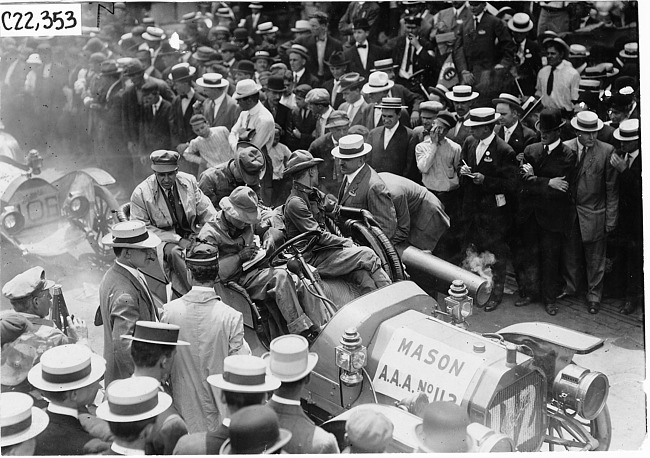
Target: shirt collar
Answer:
pixel 393 129
pixel 190 94
pixel 300 73
pixel 122 450
pixel 459 10
pixel 131 270
pixel 634 154
pixel 351 176
pixel 480 16
pixel 328 113
pixel 512 128
pixel 63 410
pixel 487 141
pixel 358 102
pixel 285 401
pixel 157 104
pixel 258 106
pixel 203 288
pixel 554 145
pixel 226 422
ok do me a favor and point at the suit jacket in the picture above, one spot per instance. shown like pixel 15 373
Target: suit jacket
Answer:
pixel 282 116
pixel 595 190
pixel 532 64
pixel 168 429
pixel 360 116
pixel 248 25
pixel 553 210
pixel 475 49
pixel 306 127
pixel 156 129
pixel 64 435
pixel 208 443
pixel 181 129
pixel 226 115
pixel 133 112
pixel 480 207
pixel 123 300
pixel 463 133
pixel 308 78
pixel 312 64
pixel 356 10
pixel 409 98
pixel 422 60
pixel 355 65
pixel 630 203
pixel 399 155
pixel 307 438
pixel 369 192
pixel 338 100
pixel 446 21
pixel 521 137
pixel 322 148
pixel 419 212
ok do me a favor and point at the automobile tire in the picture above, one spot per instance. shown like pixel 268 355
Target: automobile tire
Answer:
pixel 104 207
pixel 600 429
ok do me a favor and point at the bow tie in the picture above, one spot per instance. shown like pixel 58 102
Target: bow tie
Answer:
pixel 361 46
pixel 184 96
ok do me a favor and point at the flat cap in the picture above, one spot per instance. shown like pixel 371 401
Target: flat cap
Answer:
pixel 318 95
pixel 163 160
pixel 30 282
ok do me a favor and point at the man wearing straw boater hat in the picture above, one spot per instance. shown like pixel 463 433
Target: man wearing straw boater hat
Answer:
pixel 595 193
pixel 21 424
pixel 305 210
pixel 244 382
pixel 124 296
pixel 131 408
pixel 153 346
pixel 291 362
pixel 528 54
pixel 488 178
pixel 337 126
pixel 515 134
pixel 628 164
pixel 218 107
pixel 544 213
pixel 68 376
pixel 463 98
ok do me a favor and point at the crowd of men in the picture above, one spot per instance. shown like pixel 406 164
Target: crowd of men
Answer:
pixel 473 130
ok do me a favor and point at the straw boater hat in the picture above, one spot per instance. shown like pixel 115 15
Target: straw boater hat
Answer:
pixel 587 121
pixel 392 103
pixel 300 50
pixel 300 160
pixel 66 368
pixel 262 55
pixel 351 146
pixel 19 419
pixel 290 359
pixel 630 51
pixel 244 374
pixel 154 34
pixel 34 59
pixel 214 80
pixel 133 399
pixel 586 85
pixel 510 99
pixel 246 88
pixel 578 51
pixel 521 23
pixel 204 54
pixel 182 72
pixel 131 234
pixel 377 82
pixel 461 93
pixel 266 27
pixel 154 332
pixel 481 117
pixel 242 204
pixel 558 41
pixel 603 70
pixel 627 131
pixel 255 430
pixel 351 81
pixel 384 64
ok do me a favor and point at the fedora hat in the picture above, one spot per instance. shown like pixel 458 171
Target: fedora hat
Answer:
pixel 250 162
pixel 244 66
pixel 630 51
pixel 301 26
pixel 215 80
pixel 164 161
pixel 577 51
pixel 204 53
pixel 246 88
pixel 133 67
pixel 384 64
pixel 377 82
pixel 393 103
pixel 255 430
pixel 481 117
pixel 443 423
pixel 337 118
pixel 154 332
pixel 549 119
pixel 337 59
pixel 244 374
pixel 266 27
pixel 275 84
pixel 628 130
pixel 300 160
pixel 262 55
pixel 67 367
pixel 299 49
pixel 521 23
pixel 133 399
pixel 461 93
pixel 109 68
pixel 439 90
pixel 351 146
pixel 19 419
pixel 229 47
pixel 131 234
pixel 289 358
pixel 154 34
pixel 510 99
pixel 603 70
pixel 182 72
pixel 31 282
pixel 587 121
pixel 351 81
pixel 242 204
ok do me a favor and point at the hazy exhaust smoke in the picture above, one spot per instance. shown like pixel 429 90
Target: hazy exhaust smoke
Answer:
pixel 480 264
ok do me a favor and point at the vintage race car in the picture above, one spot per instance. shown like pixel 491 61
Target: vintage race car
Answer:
pixel 47 213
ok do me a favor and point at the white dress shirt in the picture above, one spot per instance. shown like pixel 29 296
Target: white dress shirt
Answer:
pixel 388 134
pixel 297 75
pixel 353 109
pixel 185 102
pixel 363 54
pixel 482 147
pixel 507 131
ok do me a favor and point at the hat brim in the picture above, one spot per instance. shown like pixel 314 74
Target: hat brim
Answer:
pixel 266 58
pixel 617 136
pixel 224 82
pixel 453 98
pixel 104 412
pixel 391 107
pixel 562 124
pixel 366 149
pixel 368 89
pixel 419 435
pixel 237 96
pixel 151 242
pixel 272 30
pixel 271 383
pixel 305 165
pixel 183 78
pixel 294 30
pixel 470 123
pixel 148 37
pixel 509 102
pixel 599 126
pixel 312 360
pixel 337 64
pixel 163 168
pixel 337 123
pixel 628 56
pixel 97 369
pixel 285 437
pixel 247 217
pixel 301 53
pixel 177 343
pixel 40 420
pixel 116 72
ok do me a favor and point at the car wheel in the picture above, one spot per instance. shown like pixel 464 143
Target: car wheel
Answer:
pixel 573 433
pixel 104 208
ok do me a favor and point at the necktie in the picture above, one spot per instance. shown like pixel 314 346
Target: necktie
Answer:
pixel 409 56
pixel 335 91
pixel 361 46
pixel 549 83
pixel 154 109
pixel 475 23
pixel 628 160
pixel 210 111
pixel 506 135
pixel 295 78
pixel 172 202
pixel 546 150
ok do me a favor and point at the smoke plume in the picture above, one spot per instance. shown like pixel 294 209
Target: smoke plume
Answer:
pixel 480 264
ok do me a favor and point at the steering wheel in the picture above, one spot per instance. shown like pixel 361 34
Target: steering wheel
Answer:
pixel 292 247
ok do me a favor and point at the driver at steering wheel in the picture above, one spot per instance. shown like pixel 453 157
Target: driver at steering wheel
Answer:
pixel 333 256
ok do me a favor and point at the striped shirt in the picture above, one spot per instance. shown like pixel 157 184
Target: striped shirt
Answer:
pixel 210 151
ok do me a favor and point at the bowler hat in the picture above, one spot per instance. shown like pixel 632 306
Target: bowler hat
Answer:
pixel 246 88
pixel 627 131
pixel 481 117
pixel 154 332
pixel 300 160
pixel 250 162
pixel 163 160
pixel 289 358
pixel 620 101
pixel 255 430
pixel 133 399
pixel 275 83
pixel 244 66
pixel 549 119
pixel 240 33
pixel 244 374
pixel 31 282
pixel 337 59
pixel 443 428
pixel 587 121
pixel 242 204
pixel 131 234
pixel 182 72
pixel 21 421
pixel 66 368
pixel 361 23
pixel 351 146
